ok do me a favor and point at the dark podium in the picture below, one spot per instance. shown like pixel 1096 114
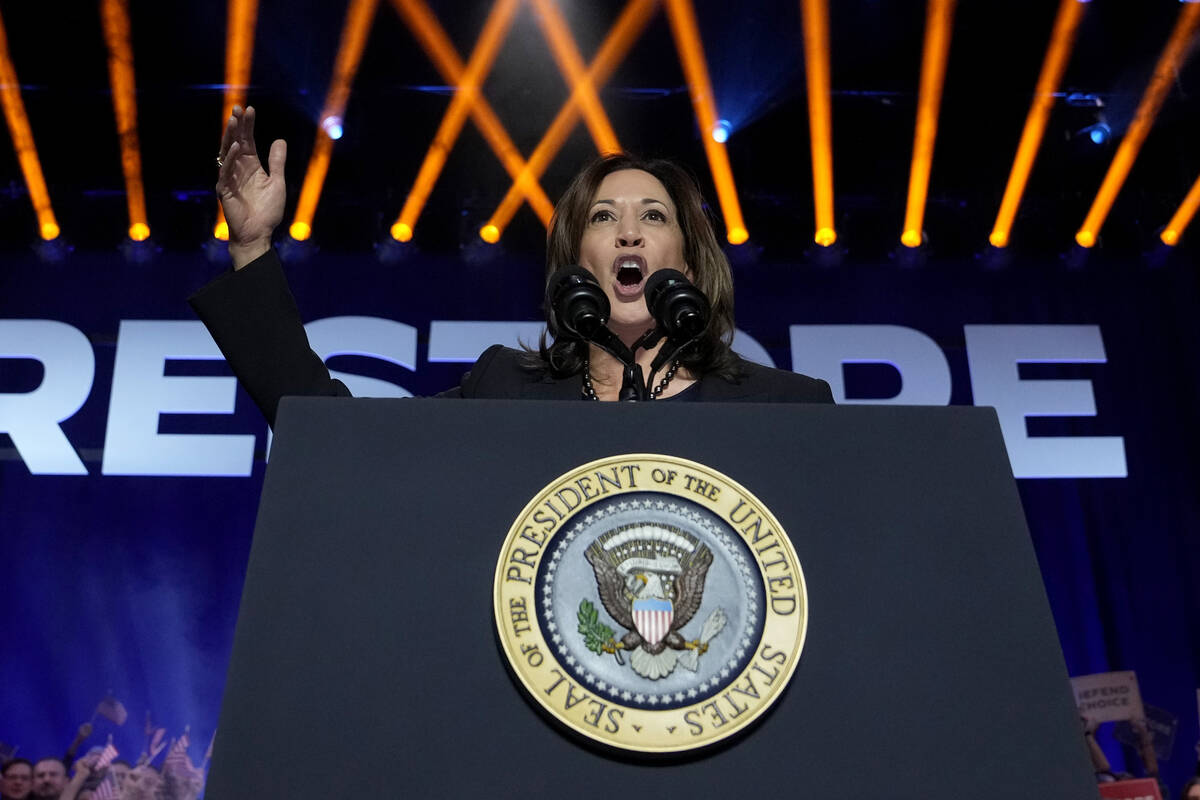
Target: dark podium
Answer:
pixel 366 661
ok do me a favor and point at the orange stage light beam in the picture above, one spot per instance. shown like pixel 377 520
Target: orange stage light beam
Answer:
pixel 939 18
pixel 570 64
pixel 114 15
pixel 1143 119
pixel 350 48
pixel 624 33
pixel 433 39
pixel 815 15
pixel 1062 40
pixel 686 33
pixel 240 19
pixel 22 136
pixel 482 57
pixel 1182 217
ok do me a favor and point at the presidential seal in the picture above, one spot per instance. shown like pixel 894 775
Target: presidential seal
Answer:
pixel 650 603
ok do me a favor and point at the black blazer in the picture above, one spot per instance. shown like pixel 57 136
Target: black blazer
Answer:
pixel 253 318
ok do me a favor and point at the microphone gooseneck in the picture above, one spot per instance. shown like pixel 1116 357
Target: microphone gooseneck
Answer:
pixel 582 309
pixel 681 311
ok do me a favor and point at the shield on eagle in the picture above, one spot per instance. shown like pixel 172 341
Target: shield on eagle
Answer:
pixel 652 616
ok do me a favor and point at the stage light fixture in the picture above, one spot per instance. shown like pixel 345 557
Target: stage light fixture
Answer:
pixel 295 251
pixel 490 234
pixel 721 131
pixel 221 230
pixel 1165 72
pixel 1098 133
pixel 1084 99
pixel 300 231
pixel 52 251
pixel 332 125
pixel 620 38
pixel 139 251
pixel 401 232
pixel 681 15
pixel 825 237
pixel 391 251
pixel 1062 40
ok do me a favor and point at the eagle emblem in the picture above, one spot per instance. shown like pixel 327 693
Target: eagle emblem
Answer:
pixel 650 578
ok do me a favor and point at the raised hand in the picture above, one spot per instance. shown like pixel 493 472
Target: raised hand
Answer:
pixel 251 198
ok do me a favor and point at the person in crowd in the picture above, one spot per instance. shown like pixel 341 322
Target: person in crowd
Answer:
pixel 81 777
pixel 16 779
pixel 142 783
pixel 621 219
pixel 182 784
pixel 120 771
pixel 49 779
pixel 1191 789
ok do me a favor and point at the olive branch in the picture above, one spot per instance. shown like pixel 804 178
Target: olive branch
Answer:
pixel 597 636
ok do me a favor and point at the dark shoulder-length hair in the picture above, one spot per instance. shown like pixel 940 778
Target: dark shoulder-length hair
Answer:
pixel 701 252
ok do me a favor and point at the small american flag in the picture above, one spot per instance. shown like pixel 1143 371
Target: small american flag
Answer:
pixel 156 744
pixel 113 710
pixel 177 757
pixel 106 756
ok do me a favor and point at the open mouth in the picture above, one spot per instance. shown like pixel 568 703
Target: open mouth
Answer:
pixel 630 273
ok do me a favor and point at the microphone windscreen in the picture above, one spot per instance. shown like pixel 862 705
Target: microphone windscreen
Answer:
pixel 576 301
pixel 564 276
pixel 658 281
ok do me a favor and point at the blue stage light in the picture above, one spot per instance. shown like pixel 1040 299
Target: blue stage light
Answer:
pixel 332 126
pixel 721 131
pixel 1099 133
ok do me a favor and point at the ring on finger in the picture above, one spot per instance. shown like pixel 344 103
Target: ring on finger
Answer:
pixel 220 162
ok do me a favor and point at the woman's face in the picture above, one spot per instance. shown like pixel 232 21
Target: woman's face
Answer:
pixel 631 231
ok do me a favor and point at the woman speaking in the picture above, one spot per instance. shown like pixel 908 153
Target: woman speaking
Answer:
pixel 621 220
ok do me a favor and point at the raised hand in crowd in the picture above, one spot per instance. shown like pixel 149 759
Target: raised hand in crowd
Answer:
pixel 252 199
pixel 1099 761
pixel 74 787
pixel 85 730
pixel 1145 746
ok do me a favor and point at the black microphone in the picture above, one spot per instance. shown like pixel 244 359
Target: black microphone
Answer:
pixel 577 301
pixel 680 309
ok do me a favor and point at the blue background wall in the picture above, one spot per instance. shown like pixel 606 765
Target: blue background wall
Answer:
pixel 131 584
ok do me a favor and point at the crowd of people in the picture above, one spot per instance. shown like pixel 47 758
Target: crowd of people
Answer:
pixel 1146 753
pixel 100 775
